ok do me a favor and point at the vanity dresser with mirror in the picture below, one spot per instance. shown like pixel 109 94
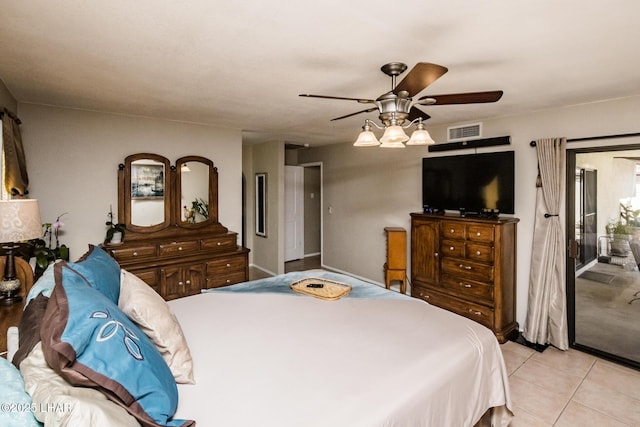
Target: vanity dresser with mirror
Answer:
pixel 173 239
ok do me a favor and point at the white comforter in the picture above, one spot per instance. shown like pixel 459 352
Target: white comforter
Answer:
pixel 279 360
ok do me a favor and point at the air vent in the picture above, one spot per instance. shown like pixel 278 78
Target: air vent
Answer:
pixel 464 132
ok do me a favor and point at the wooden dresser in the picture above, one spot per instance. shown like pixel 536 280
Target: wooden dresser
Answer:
pixel 173 239
pixel 467 266
pixel 181 267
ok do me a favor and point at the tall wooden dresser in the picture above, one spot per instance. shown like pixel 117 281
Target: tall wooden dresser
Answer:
pixel 395 269
pixel 467 266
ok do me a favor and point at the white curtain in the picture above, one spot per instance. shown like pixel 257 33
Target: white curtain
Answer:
pixel 546 321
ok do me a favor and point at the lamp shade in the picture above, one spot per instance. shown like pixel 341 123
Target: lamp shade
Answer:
pixel 420 137
pixel 393 137
pixel 366 138
pixel 19 220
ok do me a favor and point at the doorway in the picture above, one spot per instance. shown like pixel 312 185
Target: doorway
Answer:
pixel 311 198
pixel 603 191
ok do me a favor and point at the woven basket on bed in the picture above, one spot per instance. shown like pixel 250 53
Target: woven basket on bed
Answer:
pixel 331 289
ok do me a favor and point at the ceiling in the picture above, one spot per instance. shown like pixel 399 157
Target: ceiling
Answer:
pixel 242 64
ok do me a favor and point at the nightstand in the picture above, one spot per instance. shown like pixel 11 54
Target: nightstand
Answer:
pixel 10 315
pixel 395 269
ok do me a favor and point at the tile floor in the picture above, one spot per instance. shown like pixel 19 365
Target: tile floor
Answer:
pixel 570 388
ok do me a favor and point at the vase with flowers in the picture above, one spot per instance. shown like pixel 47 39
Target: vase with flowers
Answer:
pixel 115 232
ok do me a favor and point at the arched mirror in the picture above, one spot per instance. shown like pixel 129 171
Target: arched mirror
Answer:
pixel 146 188
pixel 196 185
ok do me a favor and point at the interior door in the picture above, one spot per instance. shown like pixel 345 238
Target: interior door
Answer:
pixel 294 213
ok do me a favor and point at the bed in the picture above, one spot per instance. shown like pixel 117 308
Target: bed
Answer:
pixel 254 353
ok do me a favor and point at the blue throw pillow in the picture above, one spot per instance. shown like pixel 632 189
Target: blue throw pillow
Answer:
pixel 44 285
pixel 91 343
pixel 101 271
pixel 17 402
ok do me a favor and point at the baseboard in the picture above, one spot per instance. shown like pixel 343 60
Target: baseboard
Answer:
pixel 364 279
pixel 263 269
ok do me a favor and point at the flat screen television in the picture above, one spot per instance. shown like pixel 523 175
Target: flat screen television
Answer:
pixel 471 184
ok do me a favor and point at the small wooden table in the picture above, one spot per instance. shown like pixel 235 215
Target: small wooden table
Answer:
pixel 10 315
pixel 395 269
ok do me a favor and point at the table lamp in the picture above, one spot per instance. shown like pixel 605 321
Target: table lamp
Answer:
pixel 19 221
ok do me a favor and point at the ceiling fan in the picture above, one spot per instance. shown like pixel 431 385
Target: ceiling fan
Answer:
pixel 397 106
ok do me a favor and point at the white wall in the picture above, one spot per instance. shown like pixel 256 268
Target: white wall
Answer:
pixel 73 156
pixel 368 189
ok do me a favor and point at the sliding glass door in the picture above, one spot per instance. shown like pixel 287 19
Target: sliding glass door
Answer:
pixel 603 225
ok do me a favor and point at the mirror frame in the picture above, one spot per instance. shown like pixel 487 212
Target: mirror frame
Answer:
pixel 213 193
pixel 125 208
pixel 261 204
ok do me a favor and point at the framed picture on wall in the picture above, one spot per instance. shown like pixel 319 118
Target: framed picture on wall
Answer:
pixel 261 204
pixel 147 181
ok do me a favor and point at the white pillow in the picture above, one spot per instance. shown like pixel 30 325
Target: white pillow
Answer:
pixel 58 403
pixel 152 314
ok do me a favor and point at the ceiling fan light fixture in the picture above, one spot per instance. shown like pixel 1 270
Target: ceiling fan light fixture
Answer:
pixel 366 138
pixel 420 136
pixel 393 137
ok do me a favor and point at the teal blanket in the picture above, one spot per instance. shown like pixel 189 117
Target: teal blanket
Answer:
pixel 280 285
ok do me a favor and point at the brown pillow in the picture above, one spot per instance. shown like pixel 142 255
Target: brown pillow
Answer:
pixel 29 328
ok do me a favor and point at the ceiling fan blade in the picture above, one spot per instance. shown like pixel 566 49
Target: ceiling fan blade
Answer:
pixel 420 76
pixel 415 113
pixel 360 100
pixel 368 110
pixel 464 98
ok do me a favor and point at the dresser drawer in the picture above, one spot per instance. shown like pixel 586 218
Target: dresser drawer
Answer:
pixel 132 253
pixel 453 230
pixel 454 248
pixel 480 233
pixel 226 265
pixel 468 288
pixel 467 269
pixel 479 252
pixel 175 248
pixel 219 242
pixel 479 313
pixel 219 280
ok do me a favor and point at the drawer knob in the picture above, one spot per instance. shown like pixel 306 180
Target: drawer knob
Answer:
pixel 466 285
pixel 477 252
pixel 135 254
pixel 452 231
pixel 228 265
pixel 465 267
pixel 180 283
pixel 219 243
pixel 188 282
pixel 477 313
pixel 228 281
pixel 478 234
pixel 179 248
pixel 451 248
pixel 436 254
